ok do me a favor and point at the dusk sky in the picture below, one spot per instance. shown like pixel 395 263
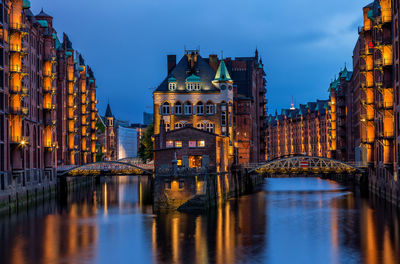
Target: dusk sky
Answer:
pixel 303 43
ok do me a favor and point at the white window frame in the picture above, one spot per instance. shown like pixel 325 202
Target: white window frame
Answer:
pixel 172 86
pixel 210 127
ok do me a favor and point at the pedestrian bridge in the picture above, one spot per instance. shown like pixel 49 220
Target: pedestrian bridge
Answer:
pixel 305 164
pixel 104 168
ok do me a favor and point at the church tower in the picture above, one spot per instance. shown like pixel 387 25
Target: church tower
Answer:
pixel 110 139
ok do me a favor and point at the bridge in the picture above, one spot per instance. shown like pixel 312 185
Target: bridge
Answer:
pixel 105 168
pixel 305 165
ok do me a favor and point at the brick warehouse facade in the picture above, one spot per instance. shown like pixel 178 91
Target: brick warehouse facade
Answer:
pixel 203 92
pixel 364 112
pixel 39 90
pixel 299 131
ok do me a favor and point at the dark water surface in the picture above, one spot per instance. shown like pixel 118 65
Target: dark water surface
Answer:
pixel 295 220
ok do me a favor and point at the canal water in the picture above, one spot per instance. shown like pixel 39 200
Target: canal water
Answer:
pixel 292 220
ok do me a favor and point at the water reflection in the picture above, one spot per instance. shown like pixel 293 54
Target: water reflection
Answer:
pixel 299 220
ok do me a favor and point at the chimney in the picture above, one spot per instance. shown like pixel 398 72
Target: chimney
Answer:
pixel 171 59
pixel 213 61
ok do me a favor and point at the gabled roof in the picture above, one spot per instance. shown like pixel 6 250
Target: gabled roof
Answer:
pixel 222 74
pixel 183 70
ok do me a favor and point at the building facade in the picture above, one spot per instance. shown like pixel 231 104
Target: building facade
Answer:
pixel 197 95
pixel 377 96
pixel 250 108
pixel 225 97
pixel 33 102
pixel 299 131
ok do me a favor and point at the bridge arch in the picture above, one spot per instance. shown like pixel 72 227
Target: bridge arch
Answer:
pixel 105 168
pixel 305 164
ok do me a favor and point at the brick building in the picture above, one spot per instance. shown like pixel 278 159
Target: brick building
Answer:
pixel 193 148
pixel 299 131
pixel 203 92
pixel 377 96
pixel 33 119
pixel 250 107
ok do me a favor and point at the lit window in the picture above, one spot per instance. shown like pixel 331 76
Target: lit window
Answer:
pixel 192 144
pixel 172 86
pixel 179 125
pixel 178 108
pixel 167 127
pixel 178 144
pixel 200 108
pixel 170 144
pixel 201 143
pixel 188 108
pixel 179 162
pixel 165 108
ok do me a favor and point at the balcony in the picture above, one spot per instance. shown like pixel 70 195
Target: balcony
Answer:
pixel 51 122
pixel 384 105
pixel 20 140
pixel 50 107
pixel 379 63
pixel 18 49
pixel 367 102
pixel 23 91
pixel 367 140
pixel 50 90
pixel 49 74
pixel 18 69
pixel 23 111
pixel 18 27
pixel 386 135
pixel 73 131
pixel 366 118
pixel 51 58
pixel 72 94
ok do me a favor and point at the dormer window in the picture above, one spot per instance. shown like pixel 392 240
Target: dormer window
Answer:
pixel 172 84
pixel 193 83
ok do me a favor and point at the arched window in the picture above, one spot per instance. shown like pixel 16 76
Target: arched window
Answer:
pixel 201 126
pixel 188 108
pixel 200 108
pixel 179 125
pixel 178 108
pixel 210 127
pixel 165 109
pixel 210 109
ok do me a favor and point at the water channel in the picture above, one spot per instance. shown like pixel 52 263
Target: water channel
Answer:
pixel 292 220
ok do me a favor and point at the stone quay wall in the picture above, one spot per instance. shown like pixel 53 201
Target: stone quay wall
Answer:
pixel 197 192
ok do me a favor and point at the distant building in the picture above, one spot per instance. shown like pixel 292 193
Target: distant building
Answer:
pixel 299 131
pixel 127 142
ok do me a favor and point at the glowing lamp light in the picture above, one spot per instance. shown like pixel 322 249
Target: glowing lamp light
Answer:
pixel 23 142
